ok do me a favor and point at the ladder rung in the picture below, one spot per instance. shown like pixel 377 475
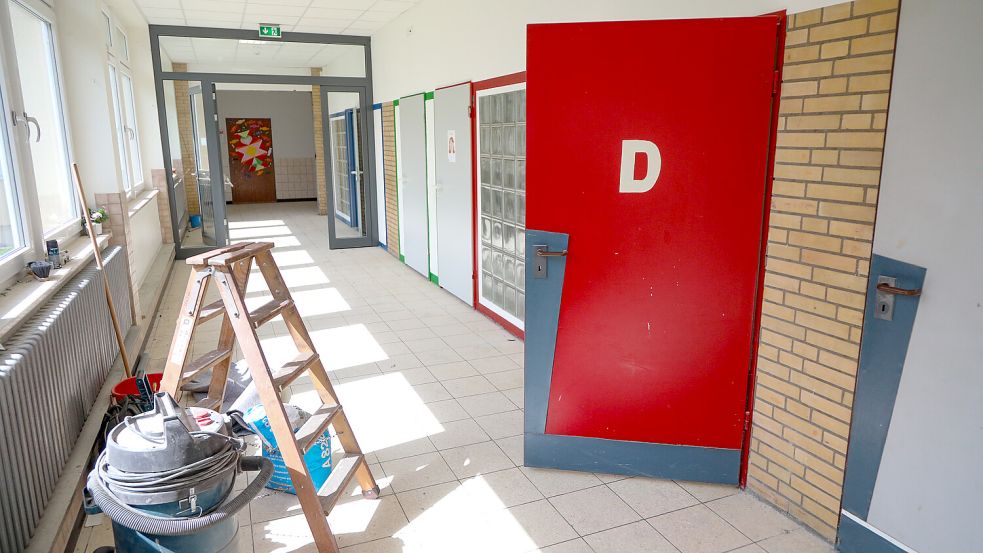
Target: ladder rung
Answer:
pixel 315 426
pixel 211 311
pixel 201 259
pixel 268 310
pixel 212 403
pixel 289 372
pixel 206 361
pixel 342 471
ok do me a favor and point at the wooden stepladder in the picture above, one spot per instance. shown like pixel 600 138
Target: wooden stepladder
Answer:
pixel 230 267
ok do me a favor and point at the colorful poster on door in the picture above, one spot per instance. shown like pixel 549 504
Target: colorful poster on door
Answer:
pixel 251 144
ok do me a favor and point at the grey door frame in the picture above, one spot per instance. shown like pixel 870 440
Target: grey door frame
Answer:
pixel 367 147
pixel 207 81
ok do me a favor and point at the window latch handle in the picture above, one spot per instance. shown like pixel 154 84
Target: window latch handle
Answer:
pixel 34 120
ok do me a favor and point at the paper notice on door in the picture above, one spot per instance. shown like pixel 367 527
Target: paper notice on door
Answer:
pixel 452 146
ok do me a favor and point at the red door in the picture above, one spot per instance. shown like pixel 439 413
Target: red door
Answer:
pixel 649 148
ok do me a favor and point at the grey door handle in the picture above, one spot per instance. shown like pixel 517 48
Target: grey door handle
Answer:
pixel 30 120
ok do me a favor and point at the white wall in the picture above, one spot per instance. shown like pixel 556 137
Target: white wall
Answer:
pixel 443 42
pixel 146 238
pixel 928 488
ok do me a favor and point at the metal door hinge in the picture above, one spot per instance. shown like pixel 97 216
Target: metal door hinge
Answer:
pixel 747 421
pixel 470 111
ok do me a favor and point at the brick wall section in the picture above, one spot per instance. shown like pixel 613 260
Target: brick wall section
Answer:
pixel 187 140
pixel 389 172
pixel 159 180
pixel 837 77
pixel 321 181
pixel 117 208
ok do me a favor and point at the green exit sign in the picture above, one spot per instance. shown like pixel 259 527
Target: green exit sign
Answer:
pixel 270 31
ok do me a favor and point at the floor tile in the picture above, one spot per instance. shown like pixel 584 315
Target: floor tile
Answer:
pixel 541 523
pixel 697 529
pixel 593 510
pixel 418 471
pixel 418 501
pixel 497 363
pixel 555 482
pixel 507 380
pixel 486 404
pixel 438 356
pixel 798 541
pixel 573 546
pixel 468 386
pixel 448 371
pixel 513 447
pixel 458 433
pixel 502 425
pixel 433 391
pixel 652 496
pixel 752 517
pixel 708 492
pixel 637 537
pixel 509 486
pixel 447 410
pixel 481 458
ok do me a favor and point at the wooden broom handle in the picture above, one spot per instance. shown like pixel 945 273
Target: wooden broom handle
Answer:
pixel 80 192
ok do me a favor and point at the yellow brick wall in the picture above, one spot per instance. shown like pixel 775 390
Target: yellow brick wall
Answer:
pixel 389 172
pixel 187 141
pixel 837 78
pixel 320 178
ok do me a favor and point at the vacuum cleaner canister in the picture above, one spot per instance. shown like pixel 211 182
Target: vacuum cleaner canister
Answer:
pixel 166 477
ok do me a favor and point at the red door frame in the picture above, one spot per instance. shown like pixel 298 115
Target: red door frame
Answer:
pixel 759 300
pixel 495 82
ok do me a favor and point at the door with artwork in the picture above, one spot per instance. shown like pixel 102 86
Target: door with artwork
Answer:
pixel 647 196
pixel 251 168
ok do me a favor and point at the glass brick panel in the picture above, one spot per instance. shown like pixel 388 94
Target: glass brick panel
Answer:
pixel 520 275
pixel 485 170
pixel 497 234
pixel 520 209
pixel 509 213
pixel 497 200
pixel 509 275
pixel 485 107
pixel 520 131
pixel 520 174
pixel 486 201
pixel 520 243
pixel 508 115
pixel 486 225
pixel 508 173
pixel 499 108
pixel 521 306
pixel 498 265
pixel 485 139
pixel 520 105
pixel 508 148
pixel 508 240
pixel 486 259
pixel 487 286
pixel 496 177
pixel 499 292
pixel 496 132
pixel 510 300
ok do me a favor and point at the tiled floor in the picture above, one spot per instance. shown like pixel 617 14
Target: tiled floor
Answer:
pixel 434 391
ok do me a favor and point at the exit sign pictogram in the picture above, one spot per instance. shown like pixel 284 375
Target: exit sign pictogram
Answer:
pixel 269 31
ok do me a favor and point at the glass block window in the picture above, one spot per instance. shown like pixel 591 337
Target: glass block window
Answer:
pixel 339 161
pixel 502 202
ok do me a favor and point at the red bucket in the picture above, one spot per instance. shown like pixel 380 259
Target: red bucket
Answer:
pixel 128 386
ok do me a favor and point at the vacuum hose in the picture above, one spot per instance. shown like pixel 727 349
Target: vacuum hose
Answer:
pixel 146 523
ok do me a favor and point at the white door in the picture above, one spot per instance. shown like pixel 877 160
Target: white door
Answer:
pixel 414 243
pixel 452 136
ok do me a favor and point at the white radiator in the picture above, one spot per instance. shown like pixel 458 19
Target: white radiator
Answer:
pixel 50 373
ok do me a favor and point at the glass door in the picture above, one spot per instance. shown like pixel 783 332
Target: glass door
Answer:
pixel 348 155
pixel 201 165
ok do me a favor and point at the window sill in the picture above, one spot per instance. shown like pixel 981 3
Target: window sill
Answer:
pixel 140 200
pixel 19 301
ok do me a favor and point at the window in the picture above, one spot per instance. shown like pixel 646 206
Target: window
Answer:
pixel 124 108
pixel 41 96
pixel 11 226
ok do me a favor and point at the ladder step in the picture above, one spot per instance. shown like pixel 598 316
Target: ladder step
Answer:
pixel 342 471
pixel 211 311
pixel 206 361
pixel 248 250
pixel 212 403
pixel 315 426
pixel 289 372
pixel 268 310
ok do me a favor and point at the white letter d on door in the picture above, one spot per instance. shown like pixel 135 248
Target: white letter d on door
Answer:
pixel 629 153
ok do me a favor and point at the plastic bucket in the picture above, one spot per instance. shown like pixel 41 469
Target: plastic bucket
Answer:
pixel 128 386
pixel 195 221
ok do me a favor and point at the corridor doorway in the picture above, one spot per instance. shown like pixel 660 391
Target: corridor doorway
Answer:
pixel 275 121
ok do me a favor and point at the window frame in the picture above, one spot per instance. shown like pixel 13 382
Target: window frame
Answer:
pixel 32 228
pixel 129 155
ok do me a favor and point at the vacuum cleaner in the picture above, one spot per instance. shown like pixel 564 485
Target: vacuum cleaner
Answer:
pixel 166 477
